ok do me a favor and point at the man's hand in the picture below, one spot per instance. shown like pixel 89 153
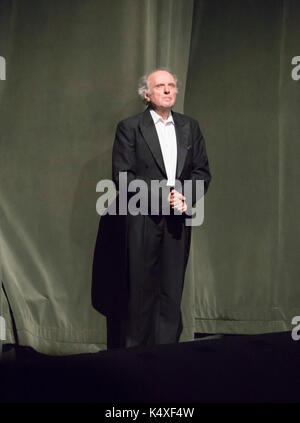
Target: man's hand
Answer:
pixel 177 201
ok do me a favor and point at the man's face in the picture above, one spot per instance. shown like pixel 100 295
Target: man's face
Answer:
pixel 162 90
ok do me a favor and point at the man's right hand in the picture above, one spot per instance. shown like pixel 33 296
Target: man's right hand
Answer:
pixel 177 201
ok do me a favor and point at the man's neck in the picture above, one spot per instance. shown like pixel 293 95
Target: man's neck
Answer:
pixel 164 113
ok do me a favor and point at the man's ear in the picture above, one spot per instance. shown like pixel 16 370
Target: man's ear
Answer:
pixel 147 98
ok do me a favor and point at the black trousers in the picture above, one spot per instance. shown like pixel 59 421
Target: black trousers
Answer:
pixel 158 249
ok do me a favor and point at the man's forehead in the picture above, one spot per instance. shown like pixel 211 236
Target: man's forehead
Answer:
pixel 160 76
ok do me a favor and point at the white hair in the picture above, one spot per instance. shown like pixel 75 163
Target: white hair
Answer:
pixel 143 87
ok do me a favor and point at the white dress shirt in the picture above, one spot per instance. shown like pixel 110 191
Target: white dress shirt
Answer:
pixel 167 138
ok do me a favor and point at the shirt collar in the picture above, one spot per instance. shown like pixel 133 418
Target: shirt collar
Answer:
pixel 156 117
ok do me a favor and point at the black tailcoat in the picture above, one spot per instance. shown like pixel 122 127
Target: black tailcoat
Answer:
pixel 137 151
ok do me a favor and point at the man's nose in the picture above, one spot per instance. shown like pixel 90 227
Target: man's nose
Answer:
pixel 167 90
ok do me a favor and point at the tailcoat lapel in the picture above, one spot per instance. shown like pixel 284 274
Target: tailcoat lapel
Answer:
pixel 182 129
pixel 150 135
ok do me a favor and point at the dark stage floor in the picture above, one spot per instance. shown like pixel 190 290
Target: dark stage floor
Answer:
pixel 227 368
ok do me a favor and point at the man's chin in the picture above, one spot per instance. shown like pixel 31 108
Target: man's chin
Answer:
pixel 165 107
pixel 168 104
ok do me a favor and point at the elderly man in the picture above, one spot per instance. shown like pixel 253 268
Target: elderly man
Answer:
pixel 160 145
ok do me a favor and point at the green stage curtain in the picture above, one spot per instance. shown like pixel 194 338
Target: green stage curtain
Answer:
pixel 239 86
pixel 72 73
